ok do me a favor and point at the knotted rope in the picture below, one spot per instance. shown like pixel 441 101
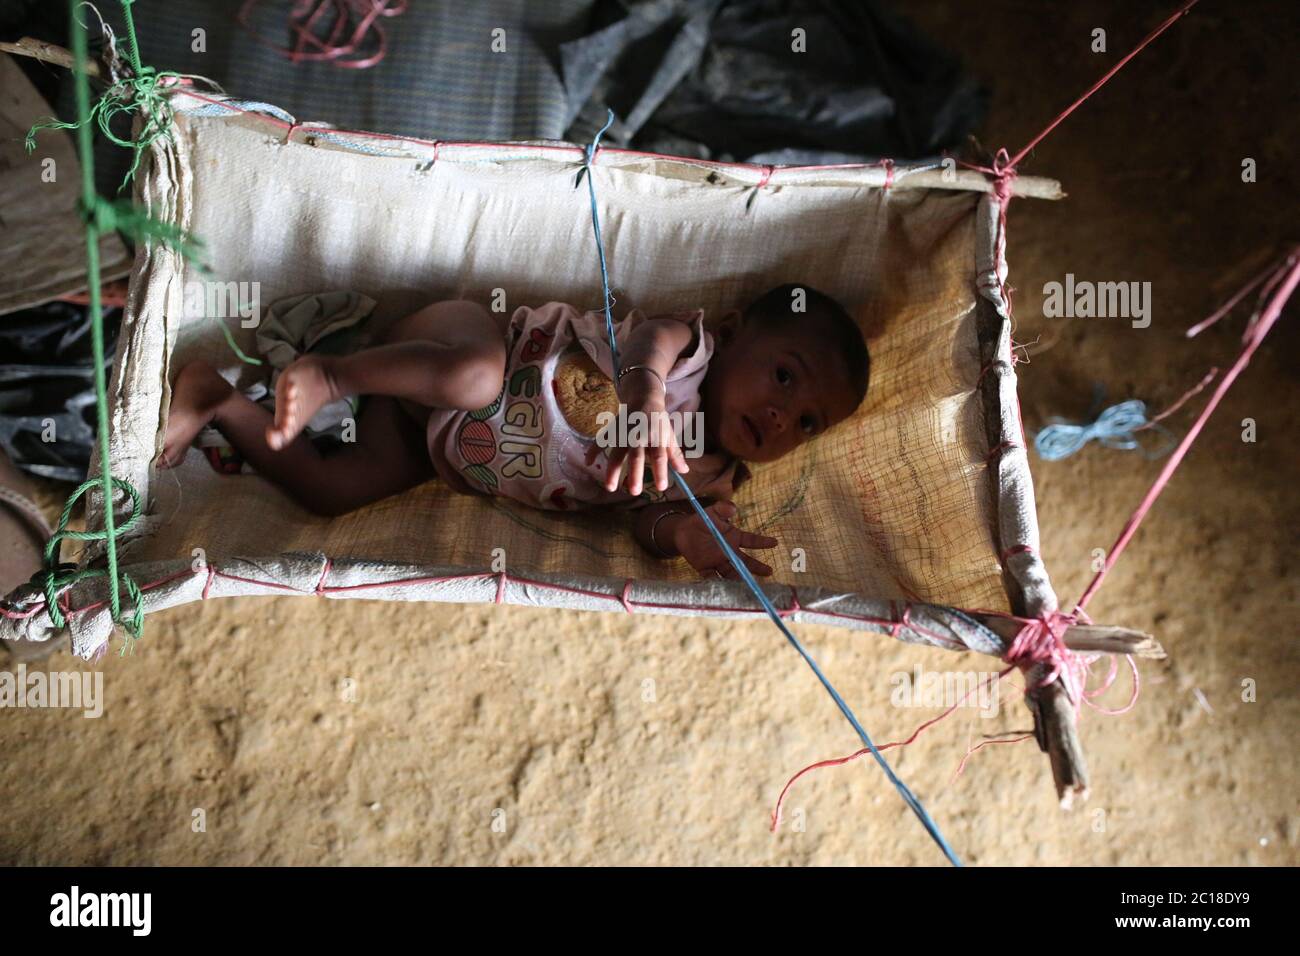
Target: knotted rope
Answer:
pixel 55 577
pixel 1039 644
pixel 138 91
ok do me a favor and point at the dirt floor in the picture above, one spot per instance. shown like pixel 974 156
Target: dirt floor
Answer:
pixel 538 720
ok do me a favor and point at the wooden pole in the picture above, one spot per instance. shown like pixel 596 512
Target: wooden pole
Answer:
pixel 1087 637
pixel 48 53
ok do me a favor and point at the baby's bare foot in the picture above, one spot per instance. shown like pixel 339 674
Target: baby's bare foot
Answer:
pixel 198 392
pixel 303 388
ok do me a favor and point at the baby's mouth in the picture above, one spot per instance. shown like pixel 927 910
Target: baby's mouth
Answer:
pixel 755 436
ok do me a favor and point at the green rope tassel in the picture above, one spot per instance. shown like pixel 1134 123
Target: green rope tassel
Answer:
pixel 57 577
pixel 125 217
pixel 139 91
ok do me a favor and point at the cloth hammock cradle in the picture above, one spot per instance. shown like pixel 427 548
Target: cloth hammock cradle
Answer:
pixel 917 508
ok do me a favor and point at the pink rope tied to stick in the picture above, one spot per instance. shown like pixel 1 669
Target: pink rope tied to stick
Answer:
pixel 1041 641
pixel 359 49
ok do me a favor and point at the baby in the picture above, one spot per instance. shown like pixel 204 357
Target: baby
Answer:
pixel 524 406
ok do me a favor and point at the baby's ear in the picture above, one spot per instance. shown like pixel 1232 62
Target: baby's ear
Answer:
pixel 729 325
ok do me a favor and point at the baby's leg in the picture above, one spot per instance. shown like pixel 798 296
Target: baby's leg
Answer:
pixel 448 355
pixel 388 456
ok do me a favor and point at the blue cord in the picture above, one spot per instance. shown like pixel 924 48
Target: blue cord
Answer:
pixel 1113 428
pixel 908 797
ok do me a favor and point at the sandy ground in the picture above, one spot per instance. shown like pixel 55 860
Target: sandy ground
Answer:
pixel 310 731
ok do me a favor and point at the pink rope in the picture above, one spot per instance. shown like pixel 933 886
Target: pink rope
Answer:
pixel 971 751
pixel 1106 685
pixel 320 585
pixel 1018 549
pixel 1286 276
pixel 794 607
pixel 1187 396
pixel 1106 77
pixel 840 761
pixel 578 151
pixel 1228 306
pixel 306 15
pixel 998 449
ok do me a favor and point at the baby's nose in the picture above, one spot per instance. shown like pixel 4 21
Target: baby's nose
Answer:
pixel 777 418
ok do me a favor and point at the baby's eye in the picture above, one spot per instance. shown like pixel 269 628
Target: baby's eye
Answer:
pixel 783 375
pixel 808 424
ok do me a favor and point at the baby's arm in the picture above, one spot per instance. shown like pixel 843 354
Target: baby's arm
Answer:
pixel 672 529
pixel 652 348
pixel 657 342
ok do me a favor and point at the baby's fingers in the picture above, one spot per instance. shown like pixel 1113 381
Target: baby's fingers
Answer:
pixel 659 461
pixel 753 564
pixel 635 470
pixel 746 539
pixel 672 452
pixel 677 458
pixel 617 458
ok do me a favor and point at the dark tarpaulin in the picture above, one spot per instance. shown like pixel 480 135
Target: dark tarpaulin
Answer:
pixel 47 388
pixel 721 79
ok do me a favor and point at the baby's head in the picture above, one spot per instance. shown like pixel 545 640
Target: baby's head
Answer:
pixel 789 367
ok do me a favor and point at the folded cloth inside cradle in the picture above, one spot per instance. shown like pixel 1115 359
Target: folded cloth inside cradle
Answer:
pixel 332 323
pixel 329 323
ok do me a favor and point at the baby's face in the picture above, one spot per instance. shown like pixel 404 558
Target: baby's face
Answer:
pixel 768 392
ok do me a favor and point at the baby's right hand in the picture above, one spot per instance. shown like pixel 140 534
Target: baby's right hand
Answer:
pixel 696 544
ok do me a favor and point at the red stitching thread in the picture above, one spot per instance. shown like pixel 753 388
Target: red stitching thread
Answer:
pixel 1018 549
pixel 998 449
pixel 320 585
pixel 794 607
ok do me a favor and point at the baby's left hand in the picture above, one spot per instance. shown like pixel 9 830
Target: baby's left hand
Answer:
pixel 643 402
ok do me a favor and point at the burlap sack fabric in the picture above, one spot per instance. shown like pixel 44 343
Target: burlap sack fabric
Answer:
pixel 900 503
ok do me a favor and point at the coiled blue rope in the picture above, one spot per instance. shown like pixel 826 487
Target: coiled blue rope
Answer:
pixel 908 797
pixel 1113 428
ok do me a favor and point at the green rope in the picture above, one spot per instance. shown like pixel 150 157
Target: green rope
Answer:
pixel 139 91
pixel 125 217
pixel 101 216
pixel 142 91
pixel 56 577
